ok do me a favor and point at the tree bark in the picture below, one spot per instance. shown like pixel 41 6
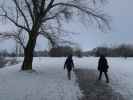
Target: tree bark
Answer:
pixel 28 53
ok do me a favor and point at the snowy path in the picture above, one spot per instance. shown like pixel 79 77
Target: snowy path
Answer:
pixel 49 82
pixel 94 89
pixel 120 73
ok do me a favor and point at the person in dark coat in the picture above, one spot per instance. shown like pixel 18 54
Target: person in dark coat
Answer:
pixel 69 65
pixel 103 67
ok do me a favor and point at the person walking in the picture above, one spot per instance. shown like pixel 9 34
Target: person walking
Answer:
pixel 69 65
pixel 103 67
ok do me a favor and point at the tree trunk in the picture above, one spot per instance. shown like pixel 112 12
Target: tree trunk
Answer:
pixel 28 53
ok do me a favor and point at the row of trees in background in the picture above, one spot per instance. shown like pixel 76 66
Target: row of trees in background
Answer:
pixel 118 51
pixel 63 51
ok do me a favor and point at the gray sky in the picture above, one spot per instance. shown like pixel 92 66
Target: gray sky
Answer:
pixel 121 32
pixel 121 24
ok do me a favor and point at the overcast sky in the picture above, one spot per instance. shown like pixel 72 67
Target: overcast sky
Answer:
pixel 121 29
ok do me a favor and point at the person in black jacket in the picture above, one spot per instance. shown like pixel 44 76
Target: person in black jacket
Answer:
pixel 103 67
pixel 69 65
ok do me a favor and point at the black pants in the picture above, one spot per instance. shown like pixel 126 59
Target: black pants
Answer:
pixel 106 76
pixel 69 74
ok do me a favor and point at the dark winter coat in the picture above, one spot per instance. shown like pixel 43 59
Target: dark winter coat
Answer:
pixel 103 64
pixel 69 64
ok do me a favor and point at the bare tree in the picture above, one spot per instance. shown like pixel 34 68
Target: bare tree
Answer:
pixel 46 17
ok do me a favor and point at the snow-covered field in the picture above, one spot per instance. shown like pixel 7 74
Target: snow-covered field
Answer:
pixel 49 81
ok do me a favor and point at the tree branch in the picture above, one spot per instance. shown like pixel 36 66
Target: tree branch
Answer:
pixel 30 10
pixel 42 6
pixel 22 13
pixel 50 36
pixel 85 10
pixel 15 23
pixel 15 36
pixel 51 17
pixel 48 7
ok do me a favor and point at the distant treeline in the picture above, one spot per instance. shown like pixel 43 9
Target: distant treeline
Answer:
pixel 62 51
pixel 117 51
pixel 65 51
pixel 4 53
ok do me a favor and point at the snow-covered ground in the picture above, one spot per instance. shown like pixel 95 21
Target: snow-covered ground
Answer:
pixel 49 81
pixel 120 73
